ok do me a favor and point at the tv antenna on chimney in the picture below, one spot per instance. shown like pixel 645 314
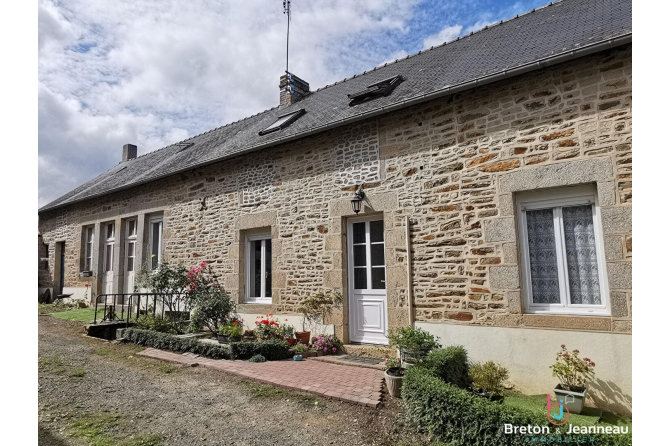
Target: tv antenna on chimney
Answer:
pixel 287 11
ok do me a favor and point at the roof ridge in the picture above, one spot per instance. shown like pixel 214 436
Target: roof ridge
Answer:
pixel 457 39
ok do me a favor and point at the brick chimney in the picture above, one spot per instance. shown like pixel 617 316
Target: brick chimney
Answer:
pixel 129 152
pixel 291 89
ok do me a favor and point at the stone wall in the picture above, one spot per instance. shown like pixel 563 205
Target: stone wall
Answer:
pixel 450 167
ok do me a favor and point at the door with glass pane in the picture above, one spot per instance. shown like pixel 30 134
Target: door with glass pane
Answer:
pixel 368 321
pixel 108 264
pixel 131 243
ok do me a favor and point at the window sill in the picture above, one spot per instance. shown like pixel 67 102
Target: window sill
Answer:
pixel 253 307
pixel 570 322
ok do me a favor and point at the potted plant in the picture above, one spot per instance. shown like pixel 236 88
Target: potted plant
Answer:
pixel 302 349
pixel 487 380
pixel 267 327
pixel 393 375
pixel 315 309
pixel 230 331
pixel 327 344
pixel 572 372
pixel 413 344
pixel 287 333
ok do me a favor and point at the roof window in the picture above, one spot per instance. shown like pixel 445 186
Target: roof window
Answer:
pixel 183 146
pixel 381 88
pixel 283 121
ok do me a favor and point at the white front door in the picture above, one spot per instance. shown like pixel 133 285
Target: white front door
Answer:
pixel 108 275
pixel 131 243
pixel 368 319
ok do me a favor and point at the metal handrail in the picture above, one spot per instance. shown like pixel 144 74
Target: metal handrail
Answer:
pixel 132 300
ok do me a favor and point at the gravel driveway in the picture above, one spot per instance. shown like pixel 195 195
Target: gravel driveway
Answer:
pixel 101 393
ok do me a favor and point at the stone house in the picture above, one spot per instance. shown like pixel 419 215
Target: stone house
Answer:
pixel 496 173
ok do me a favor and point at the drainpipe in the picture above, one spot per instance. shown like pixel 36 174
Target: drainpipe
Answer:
pixel 410 294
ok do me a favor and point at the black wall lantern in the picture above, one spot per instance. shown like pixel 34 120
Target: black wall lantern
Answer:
pixel 356 201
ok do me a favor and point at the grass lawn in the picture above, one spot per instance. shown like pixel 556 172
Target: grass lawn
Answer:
pixel 80 314
pixel 588 417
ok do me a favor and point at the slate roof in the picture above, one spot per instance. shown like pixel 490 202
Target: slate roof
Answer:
pixel 544 33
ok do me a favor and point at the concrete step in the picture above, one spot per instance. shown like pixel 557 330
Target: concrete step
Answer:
pixel 370 351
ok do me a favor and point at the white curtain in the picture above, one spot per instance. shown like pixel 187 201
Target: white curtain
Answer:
pixel 580 247
pixel 542 253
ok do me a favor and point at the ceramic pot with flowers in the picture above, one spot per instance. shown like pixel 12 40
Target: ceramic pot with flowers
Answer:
pixel 573 373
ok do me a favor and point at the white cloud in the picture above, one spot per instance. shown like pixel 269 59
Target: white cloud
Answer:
pixel 152 72
pixel 447 34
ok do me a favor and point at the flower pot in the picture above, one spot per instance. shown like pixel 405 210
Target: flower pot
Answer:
pixel 303 337
pixel 297 357
pixel 235 338
pixel 574 401
pixel 223 338
pixel 290 341
pixel 393 378
pixel 320 353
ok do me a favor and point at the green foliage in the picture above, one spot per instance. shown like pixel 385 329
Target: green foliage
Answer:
pixel 450 365
pixel 151 322
pixel 166 341
pixel 488 377
pixel 257 358
pixel 453 414
pixel 78 374
pixel 317 307
pixel 170 283
pixel 572 371
pixel 271 349
pixel 211 304
pixel 233 328
pixel 413 343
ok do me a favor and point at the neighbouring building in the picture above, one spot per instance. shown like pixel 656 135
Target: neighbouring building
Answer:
pixel 497 179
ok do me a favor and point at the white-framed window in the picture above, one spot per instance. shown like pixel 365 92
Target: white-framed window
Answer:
pixel 562 252
pixel 131 242
pixel 258 268
pixel 109 247
pixel 155 241
pixel 88 248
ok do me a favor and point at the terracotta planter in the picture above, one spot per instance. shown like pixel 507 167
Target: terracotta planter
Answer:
pixel 290 341
pixel 393 382
pixel 303 337
pixel 574 401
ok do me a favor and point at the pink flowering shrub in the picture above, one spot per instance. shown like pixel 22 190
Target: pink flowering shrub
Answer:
pixel 327 343
pixel 391 363
pixel 212 306
pixel 572 371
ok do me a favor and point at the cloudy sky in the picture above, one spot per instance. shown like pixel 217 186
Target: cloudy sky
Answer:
pixel 153 72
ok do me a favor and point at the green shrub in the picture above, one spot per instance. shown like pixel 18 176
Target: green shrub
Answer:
pixel 271 349
pixel 457 415
pixel 449 364
pixel 413 343
pixel 257 358
pixel 488 377
pixel 151 322
pixel 166 341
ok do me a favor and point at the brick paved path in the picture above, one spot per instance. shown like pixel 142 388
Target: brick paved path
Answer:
pixel 347 383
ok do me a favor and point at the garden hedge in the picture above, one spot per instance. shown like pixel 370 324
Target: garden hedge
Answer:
pixel 457 416
pixel 450 364
pixel 272 350
pixel 167 341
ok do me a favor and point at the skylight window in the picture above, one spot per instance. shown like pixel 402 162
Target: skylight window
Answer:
pixel 381 88
pixel 183 146
pixel 283 122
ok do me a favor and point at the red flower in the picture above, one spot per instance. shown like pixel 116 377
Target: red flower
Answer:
pixel 235 323
pixel 562 345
